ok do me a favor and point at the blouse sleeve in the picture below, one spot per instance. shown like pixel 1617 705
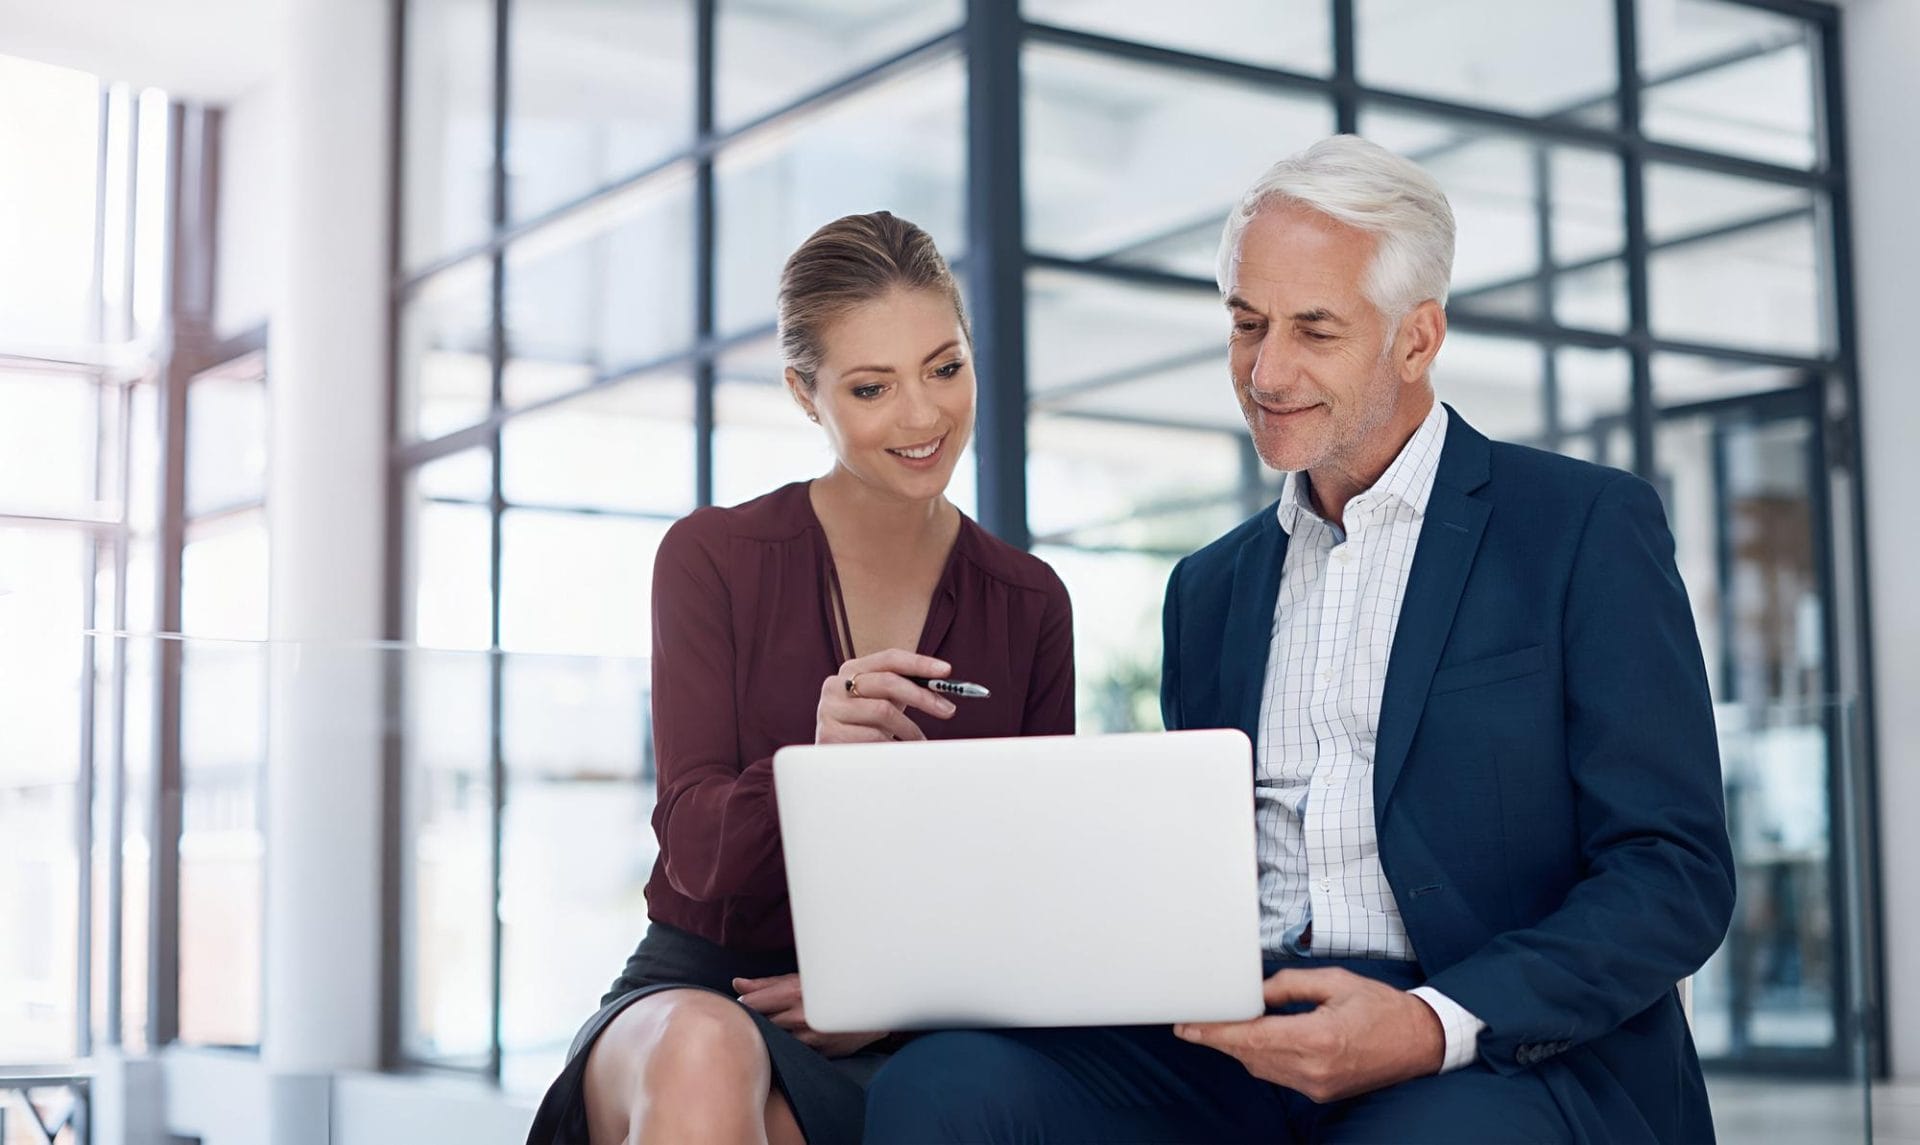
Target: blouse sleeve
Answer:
pixel 715 812
pixel 1050 698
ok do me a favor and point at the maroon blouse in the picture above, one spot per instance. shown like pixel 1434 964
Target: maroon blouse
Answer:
pixel 742 637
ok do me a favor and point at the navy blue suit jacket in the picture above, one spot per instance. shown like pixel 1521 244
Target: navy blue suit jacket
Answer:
pixel 1546 777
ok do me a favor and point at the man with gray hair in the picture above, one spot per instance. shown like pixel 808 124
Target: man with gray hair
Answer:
pixel 1487 787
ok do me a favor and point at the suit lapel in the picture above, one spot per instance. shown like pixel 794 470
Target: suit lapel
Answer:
pixel 1249 634
pixel 1449 538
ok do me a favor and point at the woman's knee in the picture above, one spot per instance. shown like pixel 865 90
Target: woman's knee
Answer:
pixel 678 1045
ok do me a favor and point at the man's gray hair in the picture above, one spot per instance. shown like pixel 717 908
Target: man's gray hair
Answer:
pixel 1362 184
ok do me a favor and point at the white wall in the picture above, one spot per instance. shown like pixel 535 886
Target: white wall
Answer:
pixel 1881 42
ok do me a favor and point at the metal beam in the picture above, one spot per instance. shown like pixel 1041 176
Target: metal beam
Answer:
pixel 996 254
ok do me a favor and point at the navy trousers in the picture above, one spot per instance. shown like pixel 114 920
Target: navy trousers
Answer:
pixel 1141 1084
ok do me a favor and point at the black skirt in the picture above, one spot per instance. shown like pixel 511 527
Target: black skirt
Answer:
pixel 828 1096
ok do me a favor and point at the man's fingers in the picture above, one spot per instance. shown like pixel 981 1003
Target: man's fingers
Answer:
pixel 1304 985
pixel 1227 1037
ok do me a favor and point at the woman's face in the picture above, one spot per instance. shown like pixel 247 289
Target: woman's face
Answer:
pixel 895 392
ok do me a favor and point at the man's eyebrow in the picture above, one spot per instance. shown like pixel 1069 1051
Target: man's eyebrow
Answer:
pixel 1235 302
pixel 1319 314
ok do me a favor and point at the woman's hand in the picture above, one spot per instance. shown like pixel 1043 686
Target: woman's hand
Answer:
pixel 779 999
pixel 874 710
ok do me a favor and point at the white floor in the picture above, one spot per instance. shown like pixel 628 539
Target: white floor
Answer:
pixel 1753 1111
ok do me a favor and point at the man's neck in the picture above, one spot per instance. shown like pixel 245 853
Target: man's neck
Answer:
pixel 1341 479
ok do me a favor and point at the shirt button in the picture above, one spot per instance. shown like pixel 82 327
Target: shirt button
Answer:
pixel 1326 884
pixel 1326 675
pixel 1343 554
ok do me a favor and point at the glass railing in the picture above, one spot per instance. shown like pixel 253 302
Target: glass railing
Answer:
pixel 516 814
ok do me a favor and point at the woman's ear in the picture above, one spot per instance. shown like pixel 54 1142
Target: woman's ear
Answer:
pixel 801 395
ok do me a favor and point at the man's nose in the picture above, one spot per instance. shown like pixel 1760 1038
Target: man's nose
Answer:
pixel 1272 365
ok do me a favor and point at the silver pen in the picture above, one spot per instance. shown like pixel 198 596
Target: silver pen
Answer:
pixel 952 687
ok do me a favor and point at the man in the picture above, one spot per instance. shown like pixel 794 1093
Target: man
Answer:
pixel 1487 786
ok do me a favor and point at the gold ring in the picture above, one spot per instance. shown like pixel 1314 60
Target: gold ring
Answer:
pixel 853 686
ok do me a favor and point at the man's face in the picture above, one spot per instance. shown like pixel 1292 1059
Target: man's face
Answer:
pixel 1307 352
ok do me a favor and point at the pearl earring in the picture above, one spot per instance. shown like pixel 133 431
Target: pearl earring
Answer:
pixel 813 416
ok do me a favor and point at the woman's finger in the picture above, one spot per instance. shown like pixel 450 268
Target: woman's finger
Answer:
pixel 902 693
pixel 900 662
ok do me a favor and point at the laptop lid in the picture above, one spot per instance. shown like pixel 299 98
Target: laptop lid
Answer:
pixel 1048 881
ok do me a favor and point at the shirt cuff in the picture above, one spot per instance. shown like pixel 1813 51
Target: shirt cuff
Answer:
pixel 1462 1029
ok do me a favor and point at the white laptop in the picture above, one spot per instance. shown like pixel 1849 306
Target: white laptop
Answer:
pixel 1050 881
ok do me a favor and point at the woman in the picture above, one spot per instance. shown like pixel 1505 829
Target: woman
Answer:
pixel 866 576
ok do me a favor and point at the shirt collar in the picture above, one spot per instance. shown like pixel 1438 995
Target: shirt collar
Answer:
pixel 1409 479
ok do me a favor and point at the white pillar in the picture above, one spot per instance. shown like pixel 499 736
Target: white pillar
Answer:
pixel 1881 39
pixel 325 498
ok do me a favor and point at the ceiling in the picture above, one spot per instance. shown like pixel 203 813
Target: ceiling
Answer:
pixel 208 51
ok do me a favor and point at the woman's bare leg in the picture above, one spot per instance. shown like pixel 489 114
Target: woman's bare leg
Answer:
pixel 684 1065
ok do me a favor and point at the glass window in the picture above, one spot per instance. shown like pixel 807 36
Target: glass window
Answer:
pixel 223 578
pixel 761 440
pixel 450 549
pixel 577 583
pixel 42 573
pixel 223 755
pixel 1734 262
pixel 1682 378
pixel 1296 35
pixel 446 375
pixel 227 438
pixel 1116 633
pixel 1086 333
pixel 597 91
pixel 576 851
pixel 603 291
pixel 1591 405
pixel 1729 77
pixel 1494 383
pixel 447 854
pixel 48 427
pixel 1538 225
pixel 448 104
pixel 1139 164
pixel 1739 491
pixel 49 155
pixel 625 446
pixel 1521 56
pixel 770 54
pixel 899 147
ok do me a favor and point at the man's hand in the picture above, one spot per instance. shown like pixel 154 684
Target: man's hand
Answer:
pixel 1363 1035
pixel 779 999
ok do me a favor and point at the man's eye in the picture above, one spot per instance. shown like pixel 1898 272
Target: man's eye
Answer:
pixel 1246 327
pixel 1317 335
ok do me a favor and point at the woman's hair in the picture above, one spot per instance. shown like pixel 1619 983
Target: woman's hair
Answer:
pixel 849 261
pixel 1362 184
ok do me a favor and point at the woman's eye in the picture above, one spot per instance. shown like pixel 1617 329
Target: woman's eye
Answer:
pixel 868 392
pixel 948 370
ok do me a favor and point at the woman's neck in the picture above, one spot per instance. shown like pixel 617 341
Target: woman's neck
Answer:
pixel 876 526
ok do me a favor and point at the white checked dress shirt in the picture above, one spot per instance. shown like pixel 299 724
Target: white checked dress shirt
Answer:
pixel 1333 626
